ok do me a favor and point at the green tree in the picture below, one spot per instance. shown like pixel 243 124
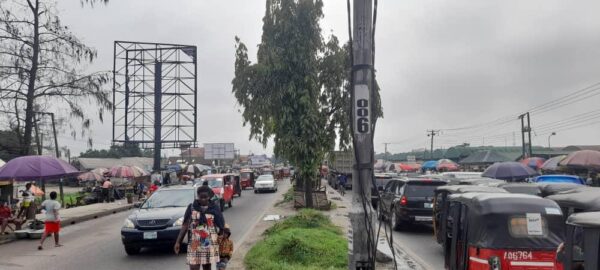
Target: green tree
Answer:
pixel 297 91
pixel 117 151
pixel 41 68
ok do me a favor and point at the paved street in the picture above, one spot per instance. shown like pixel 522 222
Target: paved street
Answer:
pixel 419 243
pixel 96 244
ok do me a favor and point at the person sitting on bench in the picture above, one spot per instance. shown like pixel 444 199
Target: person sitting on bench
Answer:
pixel 6 217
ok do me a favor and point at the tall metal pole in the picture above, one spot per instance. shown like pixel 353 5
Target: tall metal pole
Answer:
pixel 529 135
pixel 157 114
pixel 432 133
pixel 60 183
pixel 361 219
pixel 524 151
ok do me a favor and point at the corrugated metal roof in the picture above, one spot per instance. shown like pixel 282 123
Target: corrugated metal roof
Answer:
pixel 93 163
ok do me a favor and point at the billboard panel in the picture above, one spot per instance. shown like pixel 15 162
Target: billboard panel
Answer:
pixel 218 151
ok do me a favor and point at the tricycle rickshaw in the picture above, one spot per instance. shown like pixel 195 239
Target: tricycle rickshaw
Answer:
pixel 578 200
pixel 555 188
pixel 247 177
pixel 522 188
pixel 440 205
pixel 582 245
pixel 503 231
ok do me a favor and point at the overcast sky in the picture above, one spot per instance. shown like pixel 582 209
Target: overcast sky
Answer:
pixel 440 64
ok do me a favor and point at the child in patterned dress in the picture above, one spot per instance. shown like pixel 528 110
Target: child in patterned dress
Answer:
pixel 203 222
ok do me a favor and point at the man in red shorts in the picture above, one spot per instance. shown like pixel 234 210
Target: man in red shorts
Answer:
pixel 52 221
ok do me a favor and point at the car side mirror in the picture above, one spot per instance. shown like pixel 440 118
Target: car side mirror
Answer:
pixel 139 203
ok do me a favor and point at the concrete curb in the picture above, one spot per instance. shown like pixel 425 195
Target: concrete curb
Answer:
pixel 74 220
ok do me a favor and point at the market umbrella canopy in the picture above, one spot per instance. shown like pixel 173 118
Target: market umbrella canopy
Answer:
pixel 100 171
pixel 127 172
pixel 36 190
pixel 36 167
pixel 510 171
pixel 584 159
pixel 90 176
pixel 446 165
pixel 552 163
pixel 534 162
pixel 429 165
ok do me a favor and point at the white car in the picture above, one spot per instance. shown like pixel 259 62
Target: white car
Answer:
pixel 265 182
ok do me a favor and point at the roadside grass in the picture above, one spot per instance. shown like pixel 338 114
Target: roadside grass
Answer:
pixel 288 196
pixel 306 241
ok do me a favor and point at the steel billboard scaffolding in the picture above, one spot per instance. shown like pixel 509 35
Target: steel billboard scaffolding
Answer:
pixel 154 95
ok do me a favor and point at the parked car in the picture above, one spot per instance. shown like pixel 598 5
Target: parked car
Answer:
pixel 158 220
pixel 265 182
pixel 247 177
pixel 222 186
pixel 408 201
pixel 381 181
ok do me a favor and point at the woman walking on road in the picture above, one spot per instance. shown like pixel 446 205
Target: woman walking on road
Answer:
pixel 52 222
pixel 203 222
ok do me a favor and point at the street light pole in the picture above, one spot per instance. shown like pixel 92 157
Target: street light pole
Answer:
pixel 551 134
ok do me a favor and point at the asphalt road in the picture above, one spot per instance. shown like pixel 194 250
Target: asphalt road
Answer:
pixel 96 244
pixel 418 241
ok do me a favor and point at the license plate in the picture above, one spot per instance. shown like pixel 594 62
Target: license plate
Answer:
pixel 150 235
pixel 428 205
pixel 420 218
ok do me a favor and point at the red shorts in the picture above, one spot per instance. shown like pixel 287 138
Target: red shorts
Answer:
pixel 51 226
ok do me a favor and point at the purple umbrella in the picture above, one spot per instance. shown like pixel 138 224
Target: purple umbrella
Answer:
pixel 509 171
pixel 36 167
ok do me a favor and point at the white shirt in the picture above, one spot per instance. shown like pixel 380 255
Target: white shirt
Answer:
pixel 51 207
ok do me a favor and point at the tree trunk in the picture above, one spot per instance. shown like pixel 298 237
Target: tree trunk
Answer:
pixel 308 198
pixel 26 145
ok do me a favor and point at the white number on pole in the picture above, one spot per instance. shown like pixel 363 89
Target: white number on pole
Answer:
pixel 362 109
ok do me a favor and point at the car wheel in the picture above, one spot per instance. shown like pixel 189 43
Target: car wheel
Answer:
pixel 132 250
pixel 255 191
pixel 222 205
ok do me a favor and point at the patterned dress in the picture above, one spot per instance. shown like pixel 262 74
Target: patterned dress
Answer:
pixel 203 247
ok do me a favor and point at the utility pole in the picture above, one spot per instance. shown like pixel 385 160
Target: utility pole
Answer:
pixel 361 255
pixel 386 152
pixel 432 133
pixel 526 134
pixel 57 151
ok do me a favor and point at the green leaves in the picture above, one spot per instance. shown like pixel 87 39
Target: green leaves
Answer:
pixel 298 91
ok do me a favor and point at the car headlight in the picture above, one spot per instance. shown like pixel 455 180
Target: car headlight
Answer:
pixel 178 222
pixel 128 224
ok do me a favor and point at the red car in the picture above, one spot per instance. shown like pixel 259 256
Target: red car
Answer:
pixel 222 186
pixel 247 178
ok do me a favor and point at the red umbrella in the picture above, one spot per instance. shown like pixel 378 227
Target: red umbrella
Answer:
pixel 127 172
pixel 90 176
pixel 534 162
pixel 404 167
pixel 446 165
pixel 584 159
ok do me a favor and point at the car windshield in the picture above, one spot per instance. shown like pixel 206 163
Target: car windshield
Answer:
pixel 264 178
pixel 245 175
pixel 214 182
pixel 170 198
pixel 421 189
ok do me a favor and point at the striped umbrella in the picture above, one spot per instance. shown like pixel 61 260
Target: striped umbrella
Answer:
pixel 100 171
pixel 90 176
pixel 127 172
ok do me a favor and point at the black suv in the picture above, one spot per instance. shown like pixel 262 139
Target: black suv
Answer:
pixel 158 220
pixel 408 201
